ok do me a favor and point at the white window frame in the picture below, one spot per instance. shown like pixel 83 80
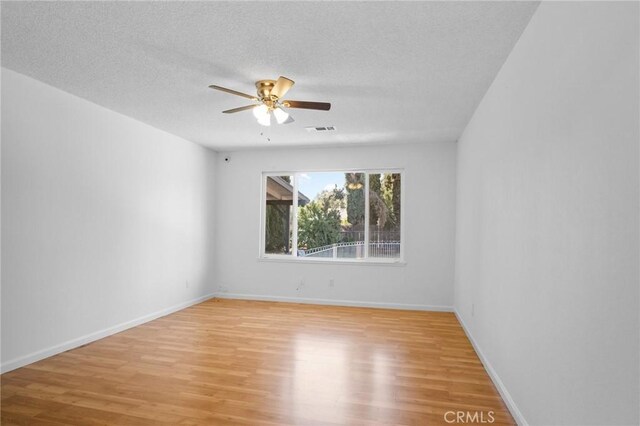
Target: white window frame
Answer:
pixel 293 257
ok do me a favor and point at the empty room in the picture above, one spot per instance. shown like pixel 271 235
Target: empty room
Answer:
pixel 320 213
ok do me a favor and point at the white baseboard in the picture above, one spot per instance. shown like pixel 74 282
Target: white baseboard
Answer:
pixel 92 337
pixel 502 389
pixel 334 302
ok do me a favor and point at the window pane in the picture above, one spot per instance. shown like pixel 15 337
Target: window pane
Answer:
pixel 278 214
pixel 331 215
pixel 384 215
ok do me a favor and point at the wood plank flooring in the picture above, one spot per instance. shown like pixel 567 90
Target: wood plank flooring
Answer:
pixel 262 363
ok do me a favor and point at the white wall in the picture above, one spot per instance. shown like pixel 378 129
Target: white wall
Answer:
pixel 104 220
pixel 429 191
pixel 547 222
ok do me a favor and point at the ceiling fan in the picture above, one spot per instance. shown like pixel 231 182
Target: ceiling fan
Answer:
pixel 269 101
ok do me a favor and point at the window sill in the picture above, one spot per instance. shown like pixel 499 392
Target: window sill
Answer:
pixel 291 259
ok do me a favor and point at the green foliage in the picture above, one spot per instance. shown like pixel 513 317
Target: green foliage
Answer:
pixel 333 199
pixel 276 238
pixel 316 226
pixel 375 188
pixel 355 207
pixel 355 199
pixel 384 198
pixel 395 198
pixel 387 189
pixel 391 195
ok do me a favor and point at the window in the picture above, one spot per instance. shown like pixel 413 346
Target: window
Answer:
pixel 332 216
pixel 279 214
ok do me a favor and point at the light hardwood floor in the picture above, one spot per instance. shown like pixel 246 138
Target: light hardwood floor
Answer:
pixel 261 363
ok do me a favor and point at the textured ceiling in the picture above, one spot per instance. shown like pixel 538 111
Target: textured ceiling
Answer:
pixel 394 72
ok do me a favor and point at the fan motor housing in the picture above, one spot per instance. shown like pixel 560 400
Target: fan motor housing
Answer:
pixel 264 89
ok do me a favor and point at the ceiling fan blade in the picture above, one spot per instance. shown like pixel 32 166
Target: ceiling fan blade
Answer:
pixel 289 120
pixel 244 108
pixel 233 92
pixel 282 86
pixel 323 106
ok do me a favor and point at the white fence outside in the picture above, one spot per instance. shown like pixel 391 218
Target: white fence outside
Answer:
pixel 354 250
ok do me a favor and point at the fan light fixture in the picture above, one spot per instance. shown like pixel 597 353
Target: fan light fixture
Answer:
pixel 270 99
pixel 281 115
pixel 261 113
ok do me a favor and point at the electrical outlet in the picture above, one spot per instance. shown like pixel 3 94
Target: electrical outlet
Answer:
pixel 331 282
pixel 186 284
pixel 300 284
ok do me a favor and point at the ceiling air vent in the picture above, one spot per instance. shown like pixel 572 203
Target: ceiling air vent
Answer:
pixel 321 129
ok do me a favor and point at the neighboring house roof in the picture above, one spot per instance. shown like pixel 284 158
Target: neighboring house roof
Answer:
pixel 279 190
